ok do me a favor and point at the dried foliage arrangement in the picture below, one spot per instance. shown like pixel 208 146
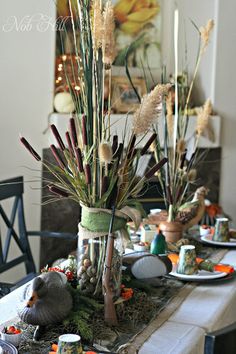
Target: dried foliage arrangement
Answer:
pixel 181 169
pixel 93 168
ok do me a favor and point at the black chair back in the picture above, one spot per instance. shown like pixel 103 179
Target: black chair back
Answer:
pixel 15 227
pixel 222 341
pixel 14 224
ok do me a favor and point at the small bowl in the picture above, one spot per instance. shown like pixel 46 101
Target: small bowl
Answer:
pixel 139 248
pixel 12 338
pixel 155 211
pixel 204 230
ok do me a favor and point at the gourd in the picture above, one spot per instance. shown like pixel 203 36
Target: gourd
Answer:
pixel 63 103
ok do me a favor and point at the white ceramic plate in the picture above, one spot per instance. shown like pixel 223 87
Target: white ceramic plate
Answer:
pixel 208 239
pixel 7 348
pixel 201 275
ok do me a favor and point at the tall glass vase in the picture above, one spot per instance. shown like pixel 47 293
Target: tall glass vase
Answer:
pixel 91 263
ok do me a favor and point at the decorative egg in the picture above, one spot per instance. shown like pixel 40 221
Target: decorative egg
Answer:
pixel 81 270
pixel 91 271
pixel 87 263
pixel 93 280
pixel 82 257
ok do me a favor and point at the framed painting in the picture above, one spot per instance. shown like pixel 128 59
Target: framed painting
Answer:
pixel 124 98
pixel 138 30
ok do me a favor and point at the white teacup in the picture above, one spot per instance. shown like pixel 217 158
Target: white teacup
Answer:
pixel 69 344
pixel 11 338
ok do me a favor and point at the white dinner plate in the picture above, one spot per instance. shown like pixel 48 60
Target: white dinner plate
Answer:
pixel 208 239
pixel 7 348
pixel 201 275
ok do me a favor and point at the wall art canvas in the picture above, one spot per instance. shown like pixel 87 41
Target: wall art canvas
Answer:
pixel 138 27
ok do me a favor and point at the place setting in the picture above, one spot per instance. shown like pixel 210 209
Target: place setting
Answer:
pixel 221 235
pixel 190 268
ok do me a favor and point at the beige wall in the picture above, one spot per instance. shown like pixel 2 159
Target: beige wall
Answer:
pixel 225 100
pixel 26 91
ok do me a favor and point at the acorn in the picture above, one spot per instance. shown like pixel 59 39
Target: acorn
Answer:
pixel 93 280
pixel 85 277
pixel 91 271
pixel 86 263
pixel 81 270
pixel 83 256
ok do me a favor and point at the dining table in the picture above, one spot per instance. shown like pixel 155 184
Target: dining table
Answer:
pixel 180 328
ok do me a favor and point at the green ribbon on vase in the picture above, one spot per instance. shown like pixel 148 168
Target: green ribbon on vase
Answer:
pixel 95 222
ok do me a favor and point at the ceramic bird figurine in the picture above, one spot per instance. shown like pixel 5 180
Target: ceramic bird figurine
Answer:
pixel 158 244
pixel 192 212
pixel 46 301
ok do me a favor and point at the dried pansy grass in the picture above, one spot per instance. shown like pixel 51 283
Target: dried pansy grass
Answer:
pixel 149 110
pixel 108 42
pixel 203 114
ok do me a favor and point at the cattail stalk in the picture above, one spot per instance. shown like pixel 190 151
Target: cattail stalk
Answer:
pixel 58 191
pixel 183 157
pixel 169 194
pixel 57 156
pixel 118 153
pixel 87 171
pixel 114 143
pixel 78 156
pixel 84 130
pixel 73 132
pixel 57 137
pixel 148 143
pixel 30 149
pixel 105 181
pixel 70 147
pixel 155 168
pixel 131 147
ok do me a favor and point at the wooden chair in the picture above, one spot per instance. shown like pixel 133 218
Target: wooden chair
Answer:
pixel 16 229
pixel 221 341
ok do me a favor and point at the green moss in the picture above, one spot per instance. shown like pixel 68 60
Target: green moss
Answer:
pixel 82 314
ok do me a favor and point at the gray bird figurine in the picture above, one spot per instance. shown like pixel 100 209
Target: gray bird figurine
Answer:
pixel 46 301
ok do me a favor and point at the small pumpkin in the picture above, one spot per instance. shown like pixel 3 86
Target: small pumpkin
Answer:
pixel 63 103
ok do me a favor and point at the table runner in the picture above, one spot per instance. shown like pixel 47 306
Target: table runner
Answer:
pixel 165 313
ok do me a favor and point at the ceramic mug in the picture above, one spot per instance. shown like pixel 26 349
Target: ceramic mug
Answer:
pixel 69 344
pixel 221 233
pixel 187 263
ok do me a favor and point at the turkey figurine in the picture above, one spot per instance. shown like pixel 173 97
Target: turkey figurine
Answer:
pixel 192 212
pixel 46 300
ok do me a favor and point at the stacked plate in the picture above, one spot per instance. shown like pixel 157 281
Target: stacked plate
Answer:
pixel 7 348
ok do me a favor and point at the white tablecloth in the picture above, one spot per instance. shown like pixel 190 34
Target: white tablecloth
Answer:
pixel 206 308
